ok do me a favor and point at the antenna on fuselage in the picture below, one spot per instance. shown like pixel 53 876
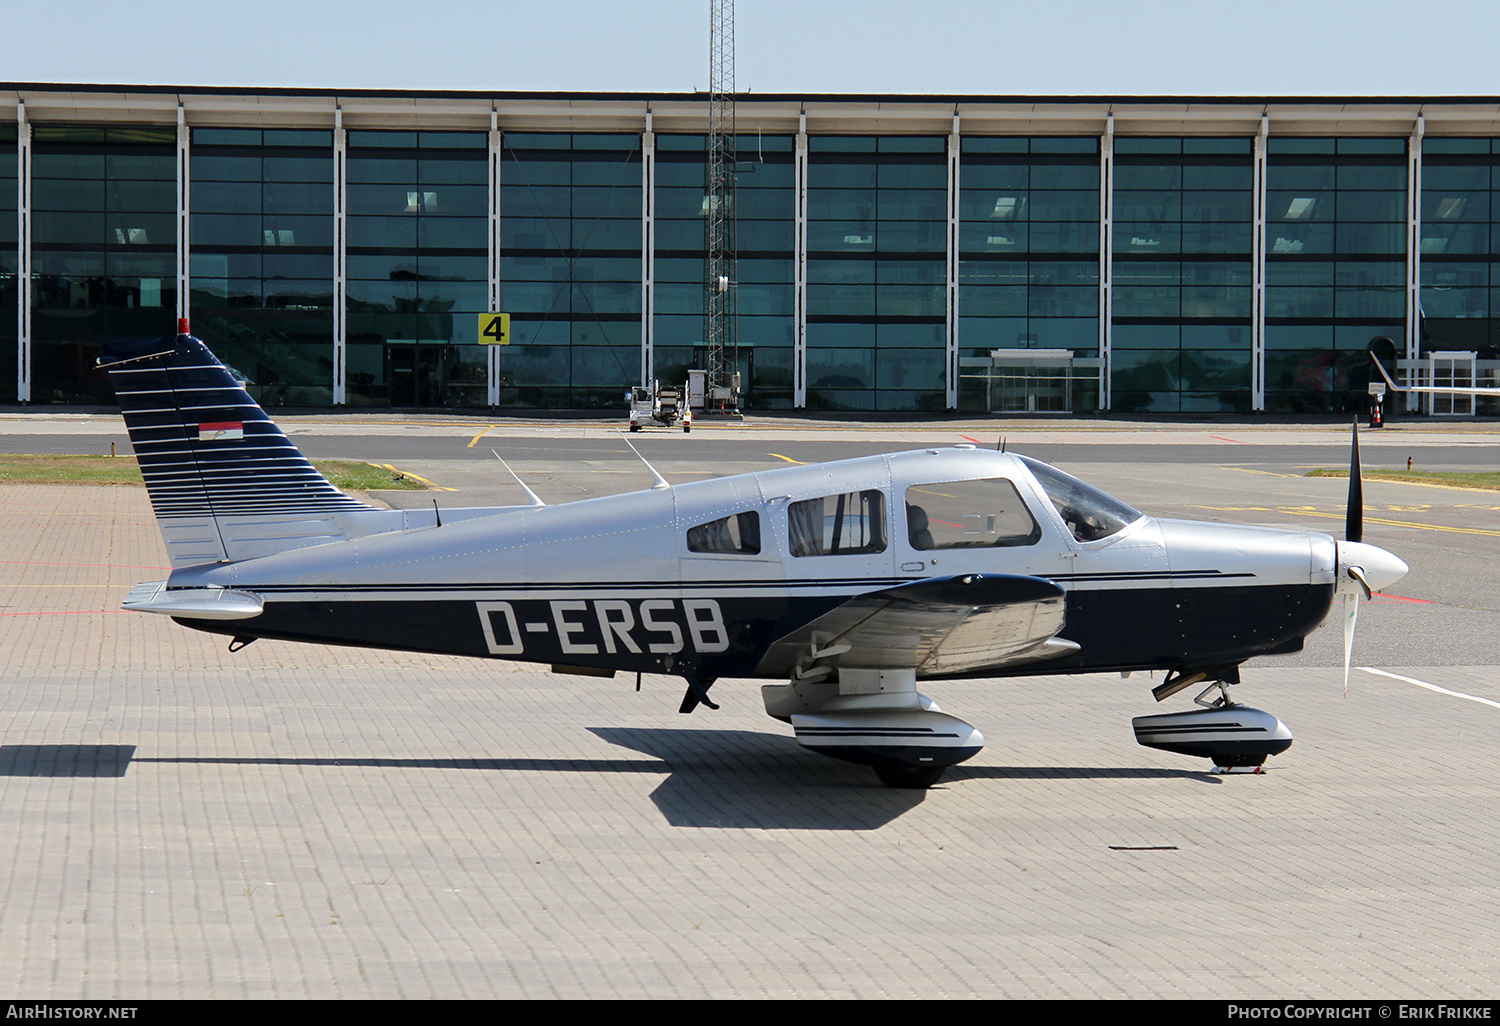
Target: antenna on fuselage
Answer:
pixel 661 482
pixel 535 500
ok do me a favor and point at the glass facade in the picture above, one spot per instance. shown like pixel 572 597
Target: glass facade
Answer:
pixel 1335 267
pixel 261 258
pixel 417 267
pixel 883 265
pixel 570 272
pixel 1460 293
pixel 1183 276
pixel 764 227
pixel 877 225
pixel 103 249
pixel 9 262
pixel 1028 239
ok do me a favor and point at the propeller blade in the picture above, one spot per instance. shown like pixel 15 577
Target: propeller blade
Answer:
pixel 1357 573
pixel 1373 564
pixel 1354 515
pixel 1351 615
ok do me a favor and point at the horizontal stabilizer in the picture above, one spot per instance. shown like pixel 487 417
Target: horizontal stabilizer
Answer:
pixel 197 603
pixel 1433 389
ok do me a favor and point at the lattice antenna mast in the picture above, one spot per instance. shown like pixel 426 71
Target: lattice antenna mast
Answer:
pixel 720 332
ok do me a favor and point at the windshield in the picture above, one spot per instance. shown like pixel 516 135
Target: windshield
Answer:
pixel 1088 512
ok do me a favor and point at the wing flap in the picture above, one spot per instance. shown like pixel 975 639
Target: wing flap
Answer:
pixel 942 626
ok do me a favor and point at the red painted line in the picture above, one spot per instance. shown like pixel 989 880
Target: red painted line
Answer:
pixel 1403 598
pixel 39 562
pixel 974 440
pixel 65 612
pixel 1231 441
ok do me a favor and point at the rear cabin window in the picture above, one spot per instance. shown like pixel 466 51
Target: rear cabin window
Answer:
pixel 837 525
pixel 738 534
pixel 987 513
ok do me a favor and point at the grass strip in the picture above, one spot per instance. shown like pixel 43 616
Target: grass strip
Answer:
pixel 351 475
pixel 365 477
pixel 1488 481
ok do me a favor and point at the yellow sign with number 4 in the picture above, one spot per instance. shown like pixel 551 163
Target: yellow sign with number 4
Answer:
pixel 494 329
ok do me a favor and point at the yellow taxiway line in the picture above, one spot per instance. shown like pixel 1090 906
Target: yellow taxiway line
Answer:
pixel 1298 512
pixel 416 477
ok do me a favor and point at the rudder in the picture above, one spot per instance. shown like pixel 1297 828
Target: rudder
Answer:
pixel 214 463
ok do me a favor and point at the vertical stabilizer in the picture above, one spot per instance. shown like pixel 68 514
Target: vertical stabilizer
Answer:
pixel 217 469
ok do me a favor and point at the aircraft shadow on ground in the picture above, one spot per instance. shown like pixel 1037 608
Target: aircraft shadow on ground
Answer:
pixel 732 779
pixel 741 779
pixel 713 778
pixel 65 760
pixel 1080 773
pixel 114 760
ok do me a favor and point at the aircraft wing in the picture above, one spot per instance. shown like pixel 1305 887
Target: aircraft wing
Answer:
pixel 1438 389
pixel 940 626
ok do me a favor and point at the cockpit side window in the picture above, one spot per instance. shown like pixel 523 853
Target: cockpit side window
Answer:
pixel 986 513
pixel 1089 513
pixel 738 534
pixel 837 525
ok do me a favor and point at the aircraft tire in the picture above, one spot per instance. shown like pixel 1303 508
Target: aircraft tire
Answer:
pixel 635 427
pixel 687 428
pixel 910 777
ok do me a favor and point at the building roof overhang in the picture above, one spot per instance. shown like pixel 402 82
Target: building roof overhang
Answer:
pixel 755 112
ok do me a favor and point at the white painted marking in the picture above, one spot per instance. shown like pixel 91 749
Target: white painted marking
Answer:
pixel 567 628
pixel 496 647
pixel 1432 687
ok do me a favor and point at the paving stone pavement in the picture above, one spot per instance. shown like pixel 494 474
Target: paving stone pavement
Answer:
pixel 297 821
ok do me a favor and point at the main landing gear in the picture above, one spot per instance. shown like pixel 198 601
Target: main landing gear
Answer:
pixel 1235 737
pixel 876 718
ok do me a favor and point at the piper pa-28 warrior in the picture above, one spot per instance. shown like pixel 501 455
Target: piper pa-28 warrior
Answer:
pixel 845 584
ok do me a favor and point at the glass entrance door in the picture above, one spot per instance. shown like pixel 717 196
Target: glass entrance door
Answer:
pixel 1452 370
pixel 417 374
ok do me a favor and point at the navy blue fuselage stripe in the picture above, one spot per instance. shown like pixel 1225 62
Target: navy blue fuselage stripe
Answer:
pixel 1221 729
pixel 871 732
pixel 1116 628
pixel 863 583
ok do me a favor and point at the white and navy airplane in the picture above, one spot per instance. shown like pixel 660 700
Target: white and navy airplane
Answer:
pixel 1476 390
pixel 845 584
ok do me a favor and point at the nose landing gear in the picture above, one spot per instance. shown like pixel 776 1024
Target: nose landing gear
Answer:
pixel 1236 737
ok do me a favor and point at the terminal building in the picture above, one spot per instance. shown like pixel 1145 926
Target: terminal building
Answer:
pixel 895 253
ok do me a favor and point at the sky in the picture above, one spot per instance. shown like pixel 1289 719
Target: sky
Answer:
pixel 1037 47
